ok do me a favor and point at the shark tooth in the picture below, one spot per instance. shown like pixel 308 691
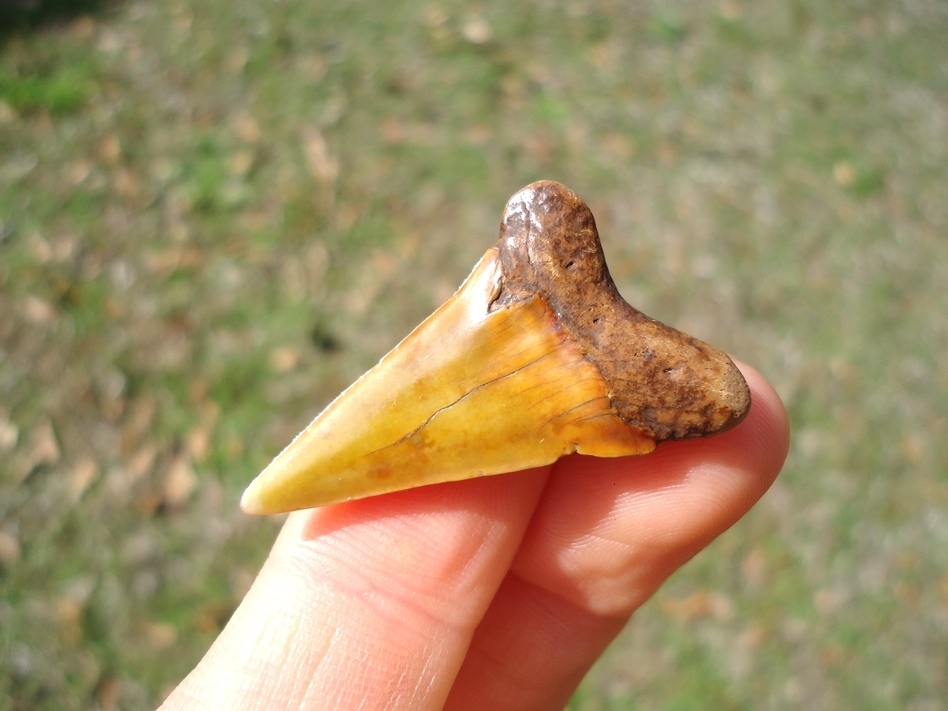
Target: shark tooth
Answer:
pixel 534 357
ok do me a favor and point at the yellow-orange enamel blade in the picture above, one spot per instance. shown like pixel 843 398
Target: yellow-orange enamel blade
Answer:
pixel 468 393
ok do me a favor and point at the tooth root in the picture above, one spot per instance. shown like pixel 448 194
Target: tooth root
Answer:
pixel 468 393
pixel 536 356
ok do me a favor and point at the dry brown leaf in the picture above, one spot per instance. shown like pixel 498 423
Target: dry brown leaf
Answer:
pixel 110 149
pixel 83 474
pixel 38 311
pixel 139 422
pixel 754 567
pixel 179 483
pixel 40 449
pixel 108 692
pixel 240 162
pixel 844 173
pixel 476 30
pixel 71 607
pixel 211 617
pixel 198 442
pixel 9 434
pixel 247 128
pixel 9 549
pixel 320 162
pixel 172 259
pixel 701 603
pixel 140 464
pixel 69 612
pixel 283 359
pixel 160 635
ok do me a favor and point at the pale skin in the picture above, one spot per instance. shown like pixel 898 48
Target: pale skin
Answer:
pixel 498 592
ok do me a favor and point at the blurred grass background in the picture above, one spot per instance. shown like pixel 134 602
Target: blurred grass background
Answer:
pixel 215 215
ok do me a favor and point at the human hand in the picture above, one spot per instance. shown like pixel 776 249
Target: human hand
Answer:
pixel 498 592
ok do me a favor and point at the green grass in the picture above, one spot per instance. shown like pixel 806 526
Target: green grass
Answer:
pixel 214 216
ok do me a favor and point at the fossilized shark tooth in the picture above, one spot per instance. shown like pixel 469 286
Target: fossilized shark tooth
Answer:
pixel 536 356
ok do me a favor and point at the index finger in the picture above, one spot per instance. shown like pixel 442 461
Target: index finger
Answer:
pixel 606 533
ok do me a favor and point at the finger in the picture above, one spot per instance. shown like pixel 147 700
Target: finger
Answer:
pixel 370 604
pixel 605 535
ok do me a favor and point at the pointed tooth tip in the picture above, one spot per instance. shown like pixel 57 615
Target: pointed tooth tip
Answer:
pixel 250 502
pixel 254 500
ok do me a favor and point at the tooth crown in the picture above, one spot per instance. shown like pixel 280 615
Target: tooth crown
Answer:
pixel 536 356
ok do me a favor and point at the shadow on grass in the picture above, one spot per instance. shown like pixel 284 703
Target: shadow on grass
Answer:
pixel 23 16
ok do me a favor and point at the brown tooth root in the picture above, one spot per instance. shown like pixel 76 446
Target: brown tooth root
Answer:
pixel 661 380
pixel 536 356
